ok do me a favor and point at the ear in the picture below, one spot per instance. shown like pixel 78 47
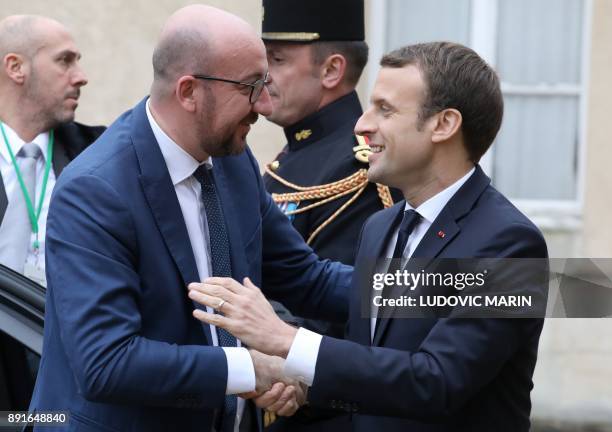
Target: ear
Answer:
pixel 15 67
pixel 333 70
pixel 448 123
pixel 185 93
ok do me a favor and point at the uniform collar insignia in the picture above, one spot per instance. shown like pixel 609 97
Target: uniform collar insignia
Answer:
pixel 303 134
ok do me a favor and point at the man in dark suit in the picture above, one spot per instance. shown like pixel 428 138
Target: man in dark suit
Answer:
pixel 170 195
pixel 40 82
pixel 316 52
pixel 435 110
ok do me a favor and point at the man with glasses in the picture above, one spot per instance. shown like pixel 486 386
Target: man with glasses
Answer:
pixel 256 87
pixel 171 195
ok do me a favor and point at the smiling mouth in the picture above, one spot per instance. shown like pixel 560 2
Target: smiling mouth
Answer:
pixel 377 148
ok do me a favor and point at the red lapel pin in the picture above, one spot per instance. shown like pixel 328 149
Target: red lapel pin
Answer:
pixel 441 234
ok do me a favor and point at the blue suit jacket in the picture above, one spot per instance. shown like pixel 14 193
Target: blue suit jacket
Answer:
pixel 451 374
pixel 121 350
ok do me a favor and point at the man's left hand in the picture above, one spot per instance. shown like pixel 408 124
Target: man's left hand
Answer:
pixel 245 313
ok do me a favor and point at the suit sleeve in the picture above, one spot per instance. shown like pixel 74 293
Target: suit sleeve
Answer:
pixel 293 274
pixel 456 359
pixel 95 291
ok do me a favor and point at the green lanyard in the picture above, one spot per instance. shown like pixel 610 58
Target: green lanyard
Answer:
pixel 32 213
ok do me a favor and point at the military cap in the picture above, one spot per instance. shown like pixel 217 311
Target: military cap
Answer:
pixel 313 20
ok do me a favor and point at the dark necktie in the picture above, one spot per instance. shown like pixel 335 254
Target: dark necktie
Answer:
pixel 409 221
pixel 221 266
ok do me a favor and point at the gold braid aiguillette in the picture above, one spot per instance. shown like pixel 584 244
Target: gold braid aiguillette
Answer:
pixel 322 194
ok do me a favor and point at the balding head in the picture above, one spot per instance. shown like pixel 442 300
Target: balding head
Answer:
pixel 26 34
pixel 207 65
pixel 40 78
pixel 195 40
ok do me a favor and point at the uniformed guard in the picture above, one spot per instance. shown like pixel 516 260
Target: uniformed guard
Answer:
pixel 316 53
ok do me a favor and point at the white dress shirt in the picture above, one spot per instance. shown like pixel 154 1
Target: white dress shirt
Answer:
pixel 181 166
pixel 11 186
pixel 302 358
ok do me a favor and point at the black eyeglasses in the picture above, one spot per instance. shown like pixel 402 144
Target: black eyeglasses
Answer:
pixel 256 87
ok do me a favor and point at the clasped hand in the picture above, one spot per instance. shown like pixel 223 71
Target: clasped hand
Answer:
pixel 245 312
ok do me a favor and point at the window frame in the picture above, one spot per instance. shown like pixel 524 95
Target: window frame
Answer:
pixel 560 215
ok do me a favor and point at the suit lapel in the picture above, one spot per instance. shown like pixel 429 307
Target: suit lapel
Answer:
pixel 60 156
pixel 161 196
pixel 442 231
pixel 429 248
pixel 375 244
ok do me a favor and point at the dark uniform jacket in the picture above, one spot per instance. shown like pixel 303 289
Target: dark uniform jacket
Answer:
pixel 320 151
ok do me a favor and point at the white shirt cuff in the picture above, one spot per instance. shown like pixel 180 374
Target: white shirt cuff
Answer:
pixel 240 371
pixel 302 358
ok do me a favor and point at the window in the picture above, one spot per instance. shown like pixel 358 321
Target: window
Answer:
pixel 539 51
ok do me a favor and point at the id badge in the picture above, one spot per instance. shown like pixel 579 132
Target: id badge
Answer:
pixel 33 271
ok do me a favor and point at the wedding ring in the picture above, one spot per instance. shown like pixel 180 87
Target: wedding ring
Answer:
pixel 220 305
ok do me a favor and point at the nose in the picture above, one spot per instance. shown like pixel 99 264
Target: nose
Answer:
pixel 365 125
pixel 79 79
pixel 263 105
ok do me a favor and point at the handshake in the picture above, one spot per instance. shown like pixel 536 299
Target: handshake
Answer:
pixel 245 312
pixel 275 392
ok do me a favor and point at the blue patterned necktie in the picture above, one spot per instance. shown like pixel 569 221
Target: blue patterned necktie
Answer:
pixel 221 266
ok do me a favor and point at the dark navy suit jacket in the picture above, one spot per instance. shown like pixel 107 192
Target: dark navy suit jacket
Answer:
pixel 121 350
pixel 450 374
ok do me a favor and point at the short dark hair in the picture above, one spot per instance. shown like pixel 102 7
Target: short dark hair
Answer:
pixel 355 53
pixel 456 77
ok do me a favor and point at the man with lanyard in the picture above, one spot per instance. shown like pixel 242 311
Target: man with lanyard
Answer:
pixel 40 81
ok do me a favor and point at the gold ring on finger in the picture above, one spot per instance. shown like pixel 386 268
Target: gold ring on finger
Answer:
pixel 220 305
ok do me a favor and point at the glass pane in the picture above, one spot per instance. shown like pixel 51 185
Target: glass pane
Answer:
pixel 18 369
pixel 535 154
pixel 539 41
pixel 412 21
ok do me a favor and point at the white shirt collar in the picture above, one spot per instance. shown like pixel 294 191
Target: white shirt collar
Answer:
pixel 431 208
pixel 16 143
pixel 181 165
